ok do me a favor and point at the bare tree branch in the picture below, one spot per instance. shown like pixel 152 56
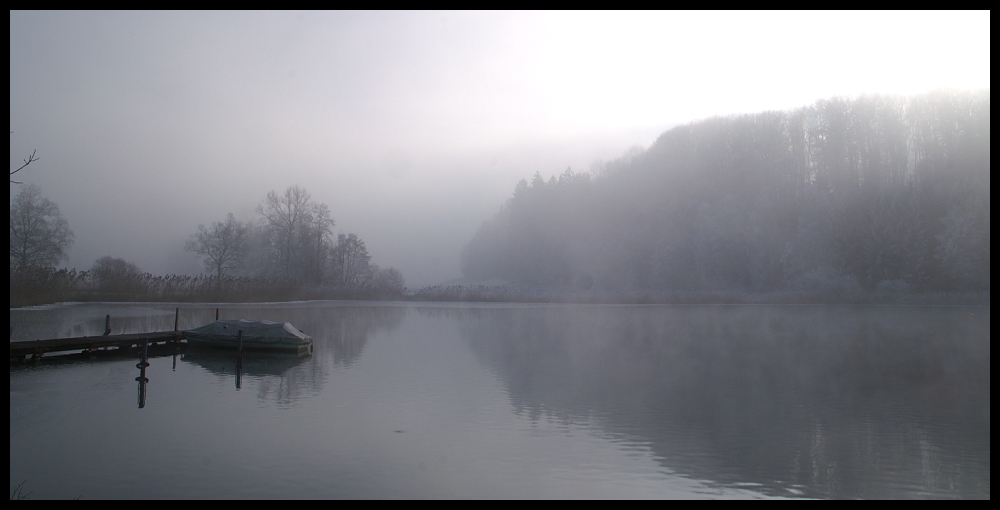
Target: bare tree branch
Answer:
pixel 27 161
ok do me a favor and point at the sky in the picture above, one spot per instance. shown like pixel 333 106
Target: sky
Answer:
pixel 413 127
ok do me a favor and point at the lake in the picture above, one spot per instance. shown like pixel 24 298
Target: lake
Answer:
pixel 438 400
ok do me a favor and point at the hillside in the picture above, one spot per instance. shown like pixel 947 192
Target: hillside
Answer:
pixel 872 194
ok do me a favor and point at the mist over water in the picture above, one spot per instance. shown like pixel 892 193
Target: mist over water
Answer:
pixel 533 249
pixel 527 401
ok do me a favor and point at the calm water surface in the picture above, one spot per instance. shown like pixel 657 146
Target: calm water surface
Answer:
pixel 517 401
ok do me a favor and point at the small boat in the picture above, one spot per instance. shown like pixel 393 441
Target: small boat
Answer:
pixel 257 336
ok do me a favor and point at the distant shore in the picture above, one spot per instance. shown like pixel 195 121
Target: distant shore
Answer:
pixel 516 294
pixel 484 293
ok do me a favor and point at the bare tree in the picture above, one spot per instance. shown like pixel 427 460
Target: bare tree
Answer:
pixel 286 217
pixel 222 246
pixel 315 243
pixel 350 262
pixel 39 235
pixel 27 161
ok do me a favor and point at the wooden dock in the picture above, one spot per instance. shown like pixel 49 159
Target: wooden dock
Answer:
pixel 126 344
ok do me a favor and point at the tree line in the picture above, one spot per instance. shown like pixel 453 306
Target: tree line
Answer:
pixel 291 238
pixel 288 251
pixel 846 196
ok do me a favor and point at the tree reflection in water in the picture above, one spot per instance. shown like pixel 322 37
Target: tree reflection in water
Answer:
pixel 339 332
pixel 818 401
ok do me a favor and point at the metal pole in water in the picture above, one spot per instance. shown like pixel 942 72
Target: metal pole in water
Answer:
pixel 177 314
pixel 107 324
pixel 216 314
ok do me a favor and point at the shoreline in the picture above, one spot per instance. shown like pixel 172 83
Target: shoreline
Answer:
pixel 497 294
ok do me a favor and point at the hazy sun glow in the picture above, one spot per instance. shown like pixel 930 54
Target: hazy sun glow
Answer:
pixel 410 124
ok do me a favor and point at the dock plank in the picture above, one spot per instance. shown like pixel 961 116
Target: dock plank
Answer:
pixel 39 347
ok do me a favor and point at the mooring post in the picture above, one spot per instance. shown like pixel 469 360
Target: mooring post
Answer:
pixel 216 314
pixel 107 324
pixel 145 354
pixel 177 314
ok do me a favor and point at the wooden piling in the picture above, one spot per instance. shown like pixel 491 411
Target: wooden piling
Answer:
pixel 177 315
pixel 145 352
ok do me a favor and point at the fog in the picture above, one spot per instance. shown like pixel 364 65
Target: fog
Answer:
pixel 413 128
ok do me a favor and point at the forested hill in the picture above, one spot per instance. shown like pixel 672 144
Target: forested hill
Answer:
pixel 880 193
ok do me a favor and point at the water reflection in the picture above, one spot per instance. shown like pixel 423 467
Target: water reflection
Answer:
pixel 526 401
pixel 239 370
pixel 142 379
pixel 339 332
pixel 814 401
pixel 250 364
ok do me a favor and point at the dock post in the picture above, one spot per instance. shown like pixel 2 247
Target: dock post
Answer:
pixel 216 314
pixel 145 354
pixel 107 324
pixel 177 314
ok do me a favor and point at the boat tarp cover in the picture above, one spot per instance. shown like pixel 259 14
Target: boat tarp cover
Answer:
pixel 258 332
